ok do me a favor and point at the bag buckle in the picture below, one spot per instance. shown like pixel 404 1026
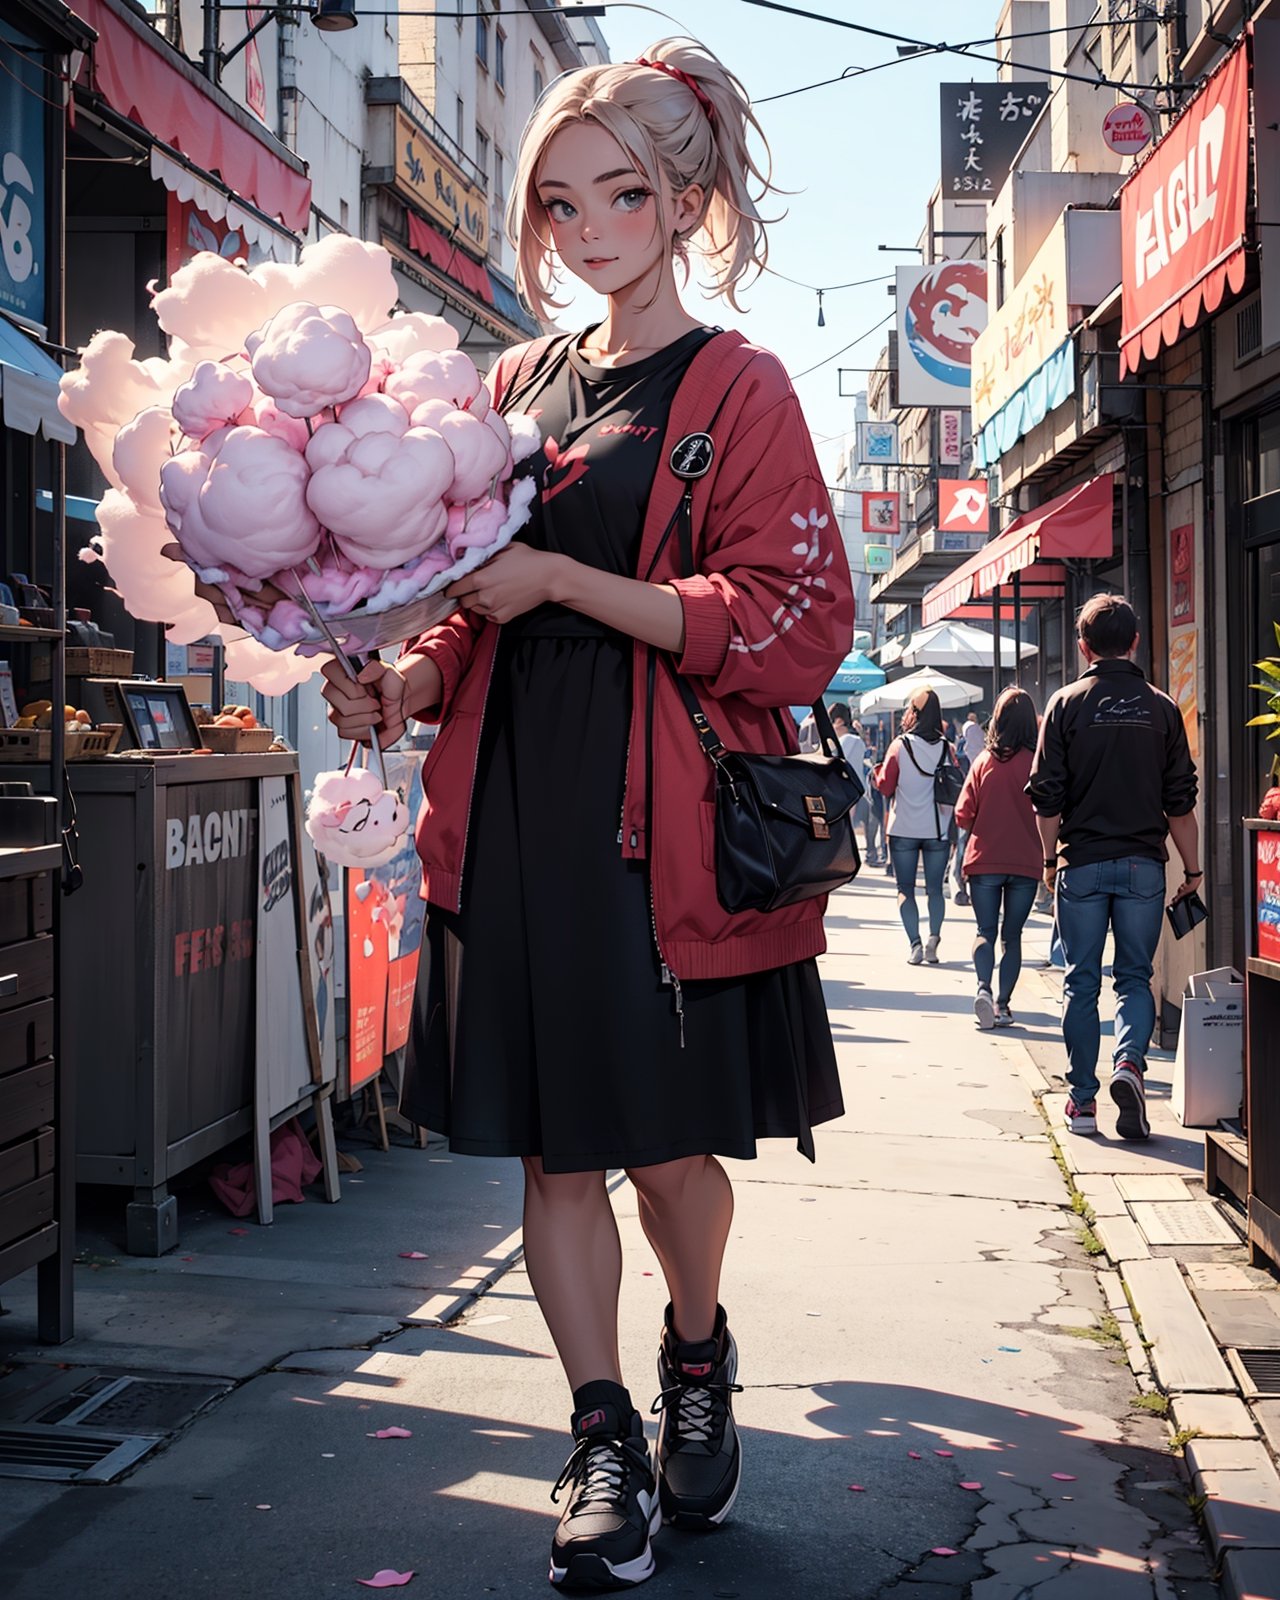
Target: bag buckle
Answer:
pixel 816 808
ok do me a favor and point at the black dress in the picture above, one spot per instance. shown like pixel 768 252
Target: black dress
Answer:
pixel 542 1026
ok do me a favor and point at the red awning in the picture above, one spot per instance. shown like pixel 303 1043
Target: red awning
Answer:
pixel 432 246
pixel 1077 526
pixel 143 80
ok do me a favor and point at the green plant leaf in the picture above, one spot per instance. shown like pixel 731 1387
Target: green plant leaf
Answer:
pixel 1270 668
pixel 1269 689
pixel 1266 720
pixel 1276 626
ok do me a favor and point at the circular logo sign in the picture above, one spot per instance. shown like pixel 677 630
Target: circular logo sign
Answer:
pixel 692 457
pixel 1127 128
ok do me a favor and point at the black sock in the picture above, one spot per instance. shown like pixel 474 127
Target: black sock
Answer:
pixel 603 1392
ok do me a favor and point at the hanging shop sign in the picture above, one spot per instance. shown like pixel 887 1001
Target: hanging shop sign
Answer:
pixel 1182 217
pixel 963 505
pixel 879 557
pixel 428 178
pixel 255 82
pixel 23 268
pixel 1127 129
pixel 950 438
pixel 882 513
pixel 1182 575
pixel 877 444
pixel 941 310
pixel 983 126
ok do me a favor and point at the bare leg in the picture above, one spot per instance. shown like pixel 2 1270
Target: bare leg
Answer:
pixel 686 1208
pixel 574 1256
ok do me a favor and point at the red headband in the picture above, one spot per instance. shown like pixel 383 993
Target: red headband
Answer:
pixel 689 82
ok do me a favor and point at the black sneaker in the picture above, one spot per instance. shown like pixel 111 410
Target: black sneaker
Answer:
pixel 1129 1094
pixel 699 1456
pixel 602 1541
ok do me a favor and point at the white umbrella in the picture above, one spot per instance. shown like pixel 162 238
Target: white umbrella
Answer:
pixel 958 644
pixel 951 693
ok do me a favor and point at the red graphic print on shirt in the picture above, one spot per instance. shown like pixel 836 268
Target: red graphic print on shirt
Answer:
pixel 572 463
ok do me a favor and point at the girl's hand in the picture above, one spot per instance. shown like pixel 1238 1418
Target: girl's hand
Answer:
pixel 516 580
pixel 375 700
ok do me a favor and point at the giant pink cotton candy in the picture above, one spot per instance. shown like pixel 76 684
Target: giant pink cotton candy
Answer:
pixel 376 486
pixel 142 447
pixel 212 396
pixel 475 525
pixel 242 504
pixel 335 271
pixel 108 389
pixel 412 333
pixel 210 304
pixel 269 671
pixel 268 416
pixel 153 588
pixel 308 357
pixel 494 422
pixel 479 455
pixel 338 589
pixel 447 375
pixel 353 821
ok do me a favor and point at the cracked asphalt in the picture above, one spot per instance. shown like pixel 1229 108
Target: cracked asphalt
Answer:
pixel 913 1316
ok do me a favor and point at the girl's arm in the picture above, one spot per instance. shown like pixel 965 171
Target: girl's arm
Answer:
pixel 967 805
pixel 886 775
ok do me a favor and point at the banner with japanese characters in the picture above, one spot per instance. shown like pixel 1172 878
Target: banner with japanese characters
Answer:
pixel 941 310
pixel 983 127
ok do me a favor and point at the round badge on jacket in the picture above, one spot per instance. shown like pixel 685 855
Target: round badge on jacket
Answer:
pixel 693 456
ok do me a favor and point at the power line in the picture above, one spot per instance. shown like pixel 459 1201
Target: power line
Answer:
pixel 796 377
pixel 927 47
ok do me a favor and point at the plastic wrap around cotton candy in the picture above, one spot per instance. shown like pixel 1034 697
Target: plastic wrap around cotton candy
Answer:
pixel 354 821
pixel 304 448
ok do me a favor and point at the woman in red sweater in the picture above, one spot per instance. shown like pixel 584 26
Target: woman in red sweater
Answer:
pixel 1002 861
pixel 585 1002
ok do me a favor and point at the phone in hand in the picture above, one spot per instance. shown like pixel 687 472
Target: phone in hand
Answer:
pixel 1187 913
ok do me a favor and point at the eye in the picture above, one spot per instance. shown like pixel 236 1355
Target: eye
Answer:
pixel 559 210
pixel 632 199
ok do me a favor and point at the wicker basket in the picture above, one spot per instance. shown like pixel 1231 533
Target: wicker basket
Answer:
pixel 86 661
pixel 237 741
pixel 36 744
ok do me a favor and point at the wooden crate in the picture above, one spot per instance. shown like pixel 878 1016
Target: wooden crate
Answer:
pixel 36 744
pixel 86 661
pixel 237 741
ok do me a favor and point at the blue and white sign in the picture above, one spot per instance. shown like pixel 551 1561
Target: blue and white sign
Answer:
pixel 22 185
pixel 877 444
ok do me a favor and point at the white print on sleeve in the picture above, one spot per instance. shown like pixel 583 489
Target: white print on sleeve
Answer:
pixel 808 576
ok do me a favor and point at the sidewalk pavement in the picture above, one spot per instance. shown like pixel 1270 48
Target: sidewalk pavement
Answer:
pixel 937 1405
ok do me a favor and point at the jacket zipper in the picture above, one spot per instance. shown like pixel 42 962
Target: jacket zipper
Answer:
pixel 471 798
pixel 669 979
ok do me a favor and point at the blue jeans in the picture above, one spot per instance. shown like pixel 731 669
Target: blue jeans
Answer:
pixel 990 891
pixel 905 855
pixel 1126 896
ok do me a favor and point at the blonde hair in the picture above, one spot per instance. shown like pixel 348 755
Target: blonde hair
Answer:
pixel 662 125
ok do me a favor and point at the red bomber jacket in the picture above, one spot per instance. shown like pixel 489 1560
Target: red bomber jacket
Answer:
pixel 768 618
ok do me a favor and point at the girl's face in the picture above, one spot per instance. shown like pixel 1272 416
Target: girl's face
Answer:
pixel 608 226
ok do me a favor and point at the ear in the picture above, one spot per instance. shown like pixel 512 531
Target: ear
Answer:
pixel 689 206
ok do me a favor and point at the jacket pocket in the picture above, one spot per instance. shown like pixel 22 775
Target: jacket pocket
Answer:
pixel 707 828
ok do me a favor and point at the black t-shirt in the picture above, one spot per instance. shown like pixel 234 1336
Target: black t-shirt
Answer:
pixel 602 431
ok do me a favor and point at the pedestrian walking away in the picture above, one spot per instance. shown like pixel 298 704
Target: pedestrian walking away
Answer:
pixel 1002 856
pixel 854 747
pixel 918 827
pixel 970 746
pixel 1112 780
pixel 876 848
pixel 584 1001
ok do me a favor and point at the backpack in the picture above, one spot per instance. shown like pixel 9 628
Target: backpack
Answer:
pixel 948 780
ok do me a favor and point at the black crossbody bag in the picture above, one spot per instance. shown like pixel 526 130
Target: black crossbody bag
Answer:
pixel 783 824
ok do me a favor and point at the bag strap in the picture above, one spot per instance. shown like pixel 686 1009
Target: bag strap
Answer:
pixel 541 360
pixel 933 776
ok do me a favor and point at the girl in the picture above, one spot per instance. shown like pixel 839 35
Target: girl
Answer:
pixel 917 827
pixel 1002 862
pixel 585 1003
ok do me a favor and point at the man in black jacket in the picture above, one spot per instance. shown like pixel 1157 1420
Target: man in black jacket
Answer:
pixel 1111 781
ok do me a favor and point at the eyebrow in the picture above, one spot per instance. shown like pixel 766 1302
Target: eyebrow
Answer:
pixel 605 177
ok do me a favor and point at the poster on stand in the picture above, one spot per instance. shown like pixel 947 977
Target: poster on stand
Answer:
pixel 317 887
pixel 208 922
pixel 385 917
pixel 284 1048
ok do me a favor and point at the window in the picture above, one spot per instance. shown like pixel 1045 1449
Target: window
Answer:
pixel 460 124
pixel 539 76
pixel 500 58
pixel 482 41
pixel 499 177
pixel 482 153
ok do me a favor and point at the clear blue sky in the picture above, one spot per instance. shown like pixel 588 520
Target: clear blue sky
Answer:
pixel 861 157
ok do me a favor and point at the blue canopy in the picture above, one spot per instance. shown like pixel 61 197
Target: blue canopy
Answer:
pixel 857 673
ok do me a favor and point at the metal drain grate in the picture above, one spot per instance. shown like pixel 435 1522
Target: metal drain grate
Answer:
pixel 1258 1371
pixel 133 1405
pixel 72 1455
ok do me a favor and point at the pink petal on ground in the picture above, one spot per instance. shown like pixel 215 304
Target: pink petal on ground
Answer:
pixel 914 1455
pixel 1065 1477
pixel 386 1579
pixel 414 1255
pixel 857 1488
pixel 942 1550
pixel 971 1486
pixel 944 1452
pixel 391 1433
pixel 240 1233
